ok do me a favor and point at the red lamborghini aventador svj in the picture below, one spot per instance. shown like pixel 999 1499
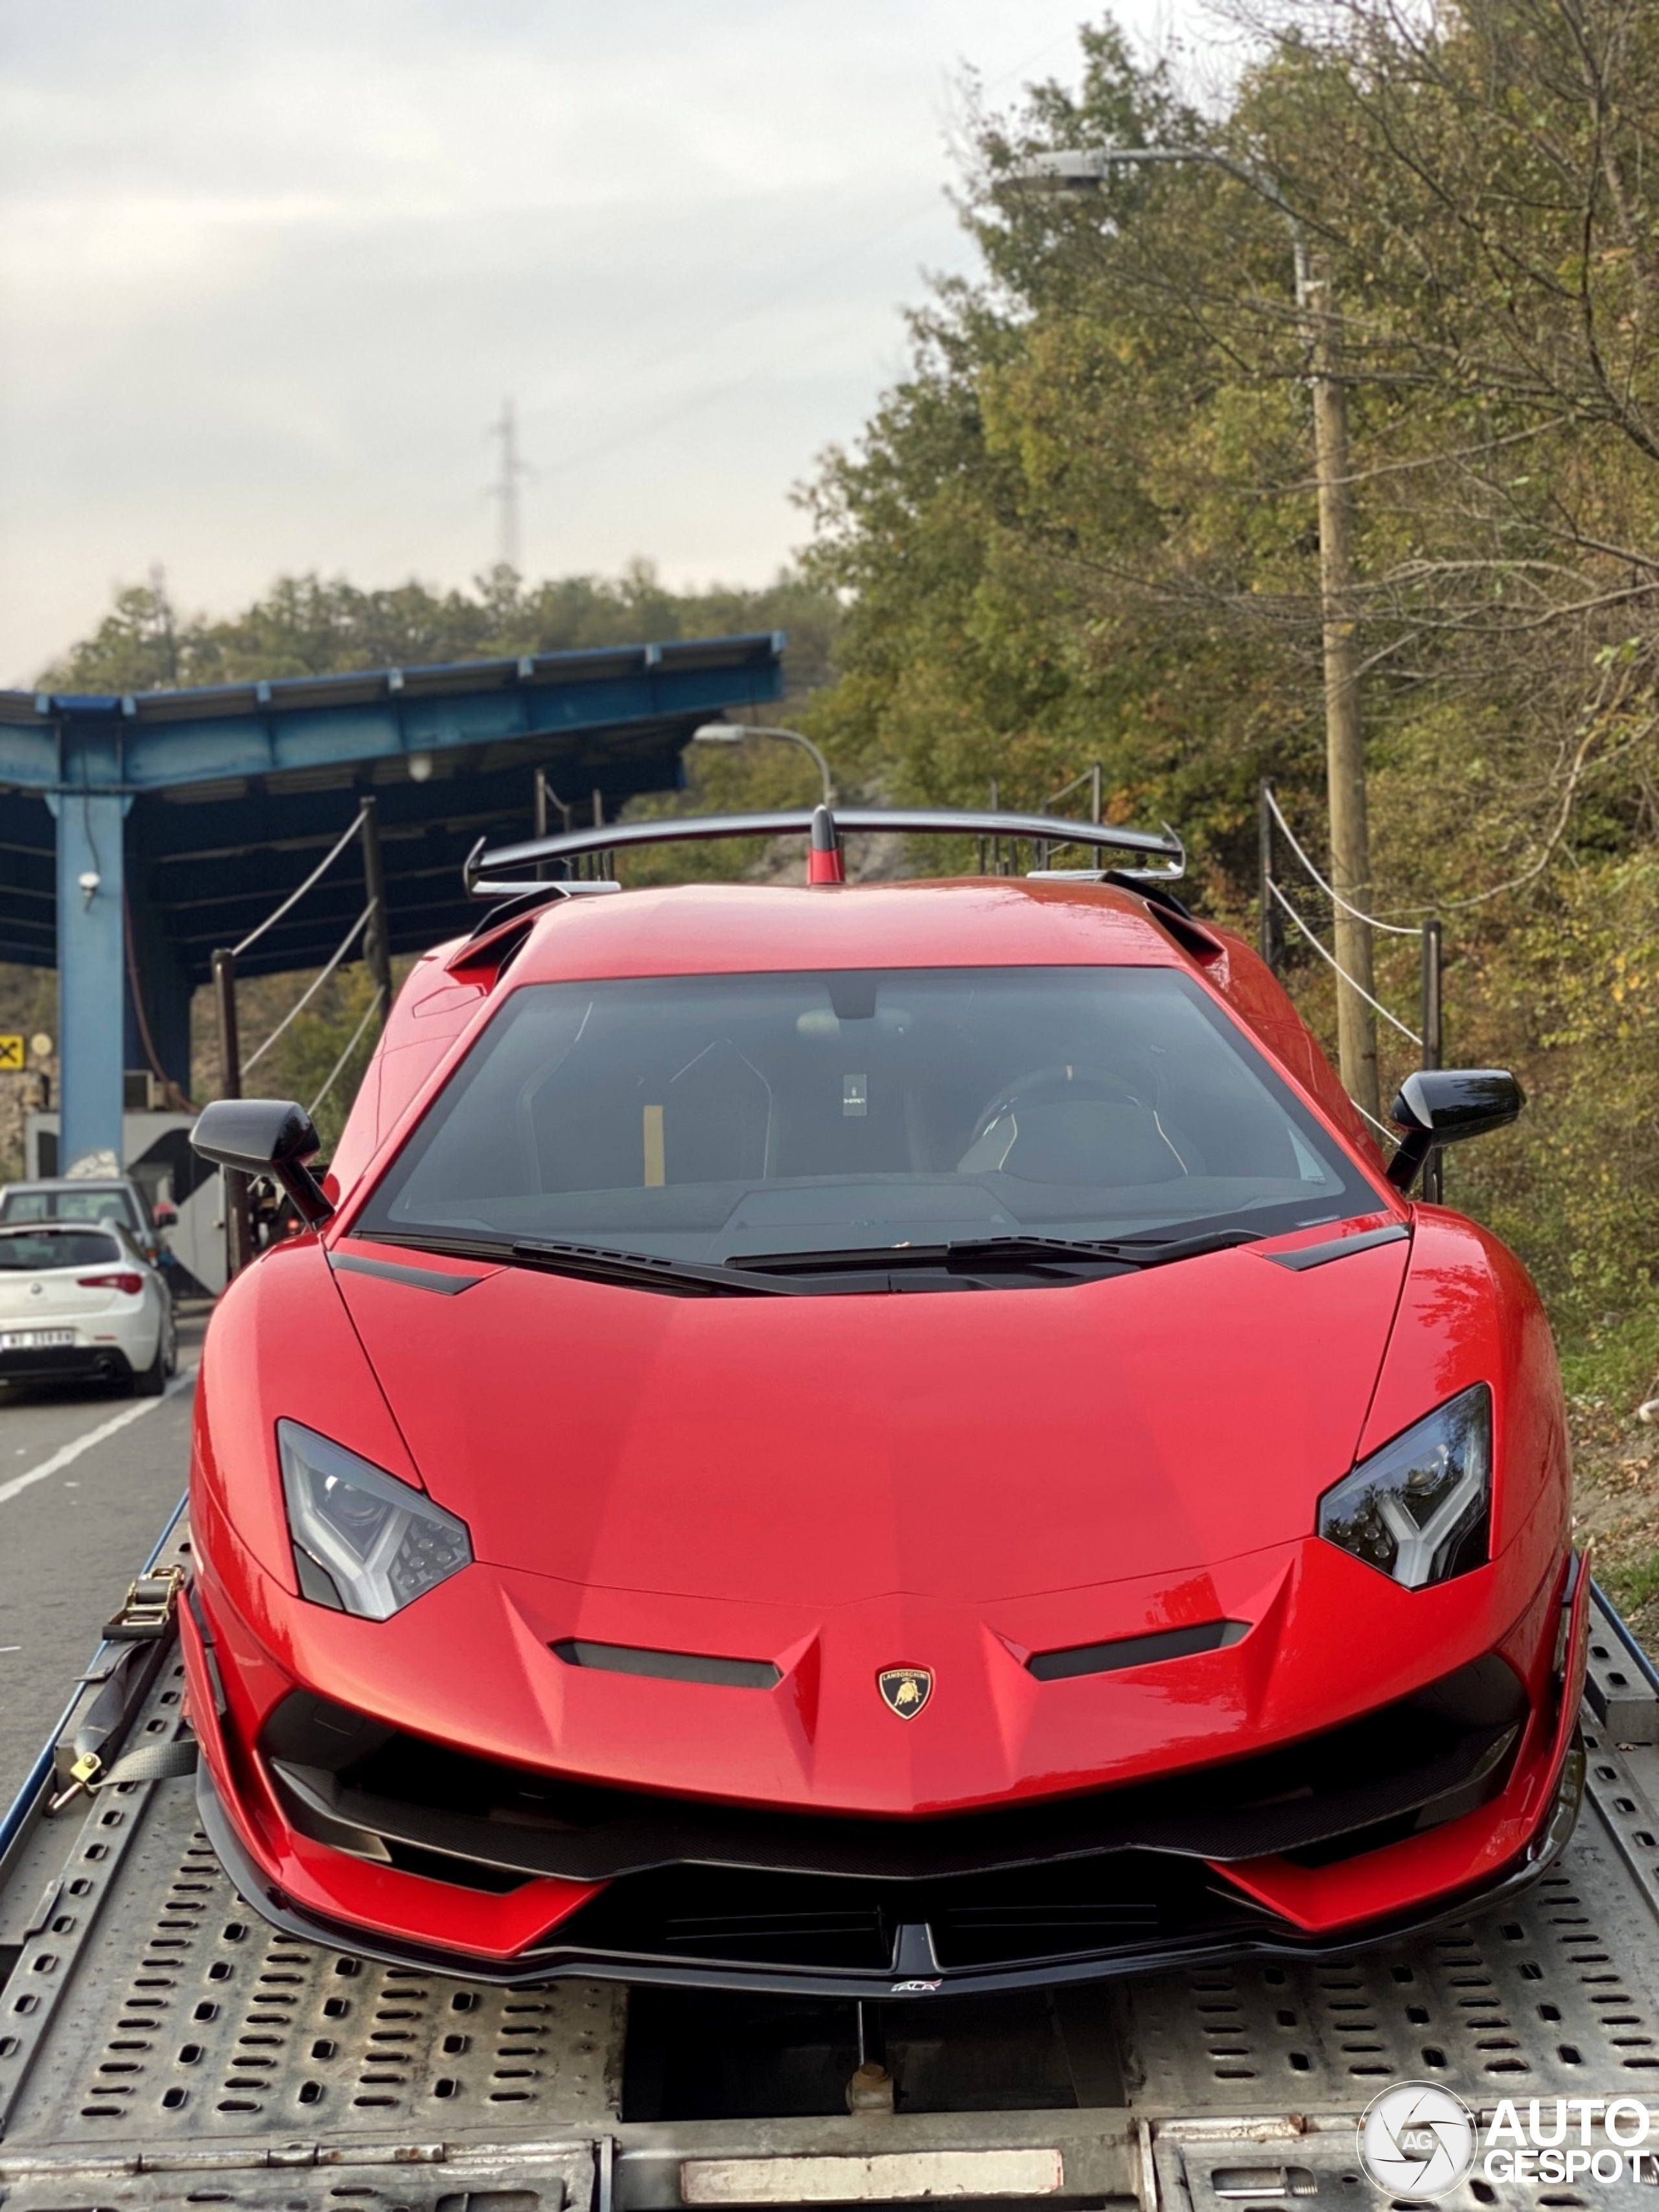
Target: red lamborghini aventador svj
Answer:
pixel 872 1439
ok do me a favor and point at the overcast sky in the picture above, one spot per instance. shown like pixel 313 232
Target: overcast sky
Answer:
pixel 267 273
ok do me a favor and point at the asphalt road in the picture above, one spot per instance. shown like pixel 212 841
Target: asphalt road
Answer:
pixel 73 1538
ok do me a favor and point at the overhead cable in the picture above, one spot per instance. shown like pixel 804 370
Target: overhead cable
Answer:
pixel 293 898
pixel 1394 928
pixel 334 1072
pixel 311 988
pixel 1410 1035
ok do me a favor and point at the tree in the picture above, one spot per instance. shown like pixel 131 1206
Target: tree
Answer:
pixel 308 626
pixel 1082 526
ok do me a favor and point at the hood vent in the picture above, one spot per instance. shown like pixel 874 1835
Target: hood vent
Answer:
pixel 669 1666
pixel 1135 1650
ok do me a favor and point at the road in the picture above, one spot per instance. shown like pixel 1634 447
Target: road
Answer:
pixel 72 1537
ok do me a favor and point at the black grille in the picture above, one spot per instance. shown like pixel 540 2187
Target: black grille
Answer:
pixel 1123 1903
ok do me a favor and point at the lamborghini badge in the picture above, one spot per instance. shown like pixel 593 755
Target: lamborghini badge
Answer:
pixel 905 1690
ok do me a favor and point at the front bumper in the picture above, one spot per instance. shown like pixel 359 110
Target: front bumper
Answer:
pixel 912 1970
pixel 1116 1909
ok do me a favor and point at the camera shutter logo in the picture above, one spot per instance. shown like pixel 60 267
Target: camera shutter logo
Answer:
pixel 1418 2138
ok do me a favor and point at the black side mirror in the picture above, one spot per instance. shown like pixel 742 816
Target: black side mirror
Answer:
pixel 265 1136
pixel 1444 1105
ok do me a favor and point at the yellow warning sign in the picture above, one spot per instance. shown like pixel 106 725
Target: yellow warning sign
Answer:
pixel 11 1053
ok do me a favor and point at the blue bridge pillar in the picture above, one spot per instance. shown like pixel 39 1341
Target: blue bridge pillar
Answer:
pixel 91 828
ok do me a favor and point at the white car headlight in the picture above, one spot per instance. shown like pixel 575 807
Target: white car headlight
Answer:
pixel 363 1541
pixel 1420 1508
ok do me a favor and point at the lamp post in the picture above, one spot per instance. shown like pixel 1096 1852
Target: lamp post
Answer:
pixel 733 733
pixel 1344 744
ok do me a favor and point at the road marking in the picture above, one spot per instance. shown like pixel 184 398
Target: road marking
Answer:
pixel 69 1453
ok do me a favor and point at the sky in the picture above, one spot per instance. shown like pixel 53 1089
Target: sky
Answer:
pixel 268 273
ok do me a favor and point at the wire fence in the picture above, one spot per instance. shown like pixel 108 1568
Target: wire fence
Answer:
pixel 1275 901
pixel 371 926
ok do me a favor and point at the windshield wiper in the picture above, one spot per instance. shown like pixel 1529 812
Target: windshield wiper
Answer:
pixel 756 1274
pixel 640 1271
pixel 986 1255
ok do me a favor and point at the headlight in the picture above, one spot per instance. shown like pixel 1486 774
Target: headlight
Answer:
pixel 363 1541
pixel 1420 1508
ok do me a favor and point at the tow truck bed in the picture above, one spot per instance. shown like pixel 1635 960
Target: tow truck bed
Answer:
pixel 161 2046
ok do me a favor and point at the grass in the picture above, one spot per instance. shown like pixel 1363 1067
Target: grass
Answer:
pixel 1608 1372
pixel 1614 1363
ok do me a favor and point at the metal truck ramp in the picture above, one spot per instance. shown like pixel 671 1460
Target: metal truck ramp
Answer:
pixel 161 2046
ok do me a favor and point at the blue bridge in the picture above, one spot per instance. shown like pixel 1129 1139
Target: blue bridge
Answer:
pixel 138 835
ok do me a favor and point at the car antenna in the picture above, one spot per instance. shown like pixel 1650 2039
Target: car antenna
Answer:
pixel 824 861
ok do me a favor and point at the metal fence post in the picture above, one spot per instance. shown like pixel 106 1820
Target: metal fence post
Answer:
pixel 377 937
pixel 1434 1165
pixel 239 1228
pixel 1271 938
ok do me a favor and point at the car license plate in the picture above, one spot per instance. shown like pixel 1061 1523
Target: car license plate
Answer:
pixel 34 1340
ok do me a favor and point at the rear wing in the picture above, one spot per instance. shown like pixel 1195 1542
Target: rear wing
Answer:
pixel 491 874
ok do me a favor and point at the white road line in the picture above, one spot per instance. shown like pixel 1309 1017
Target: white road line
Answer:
pixel 69 1453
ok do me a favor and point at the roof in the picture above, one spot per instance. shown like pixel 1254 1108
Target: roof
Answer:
pixel 734 928
pixel 155 738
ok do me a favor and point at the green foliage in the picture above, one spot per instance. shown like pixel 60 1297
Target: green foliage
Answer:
pixel 316 1050
pixel 1083 526
pixel 310 626
pixel 1633 1584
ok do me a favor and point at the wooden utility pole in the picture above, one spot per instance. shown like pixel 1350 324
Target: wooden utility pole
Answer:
pixel 1344 741
pixel 377 937
pixel 1344 748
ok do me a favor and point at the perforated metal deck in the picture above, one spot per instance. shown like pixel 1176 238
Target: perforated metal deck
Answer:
pixel 161 2046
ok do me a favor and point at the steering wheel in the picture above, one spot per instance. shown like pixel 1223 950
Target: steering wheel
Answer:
pixel 1046 1086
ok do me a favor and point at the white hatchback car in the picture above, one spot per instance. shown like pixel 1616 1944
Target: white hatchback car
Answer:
pixel 79 1303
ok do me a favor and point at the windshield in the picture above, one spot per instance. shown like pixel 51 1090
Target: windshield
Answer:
pixel 705 1117
pixel 709 1118
pixel 56 1248
pixel 94 1202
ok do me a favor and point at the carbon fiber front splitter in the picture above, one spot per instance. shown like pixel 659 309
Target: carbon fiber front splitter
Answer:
pixel 911 1975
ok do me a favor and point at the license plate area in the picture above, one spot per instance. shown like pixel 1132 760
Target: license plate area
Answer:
pixel 35 1339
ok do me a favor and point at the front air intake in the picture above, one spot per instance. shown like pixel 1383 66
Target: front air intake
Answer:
pixel 669 1666
pixel 1135 1650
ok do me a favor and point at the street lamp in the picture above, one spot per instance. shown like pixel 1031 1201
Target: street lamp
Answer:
pixel 1344 744
pixel 733 733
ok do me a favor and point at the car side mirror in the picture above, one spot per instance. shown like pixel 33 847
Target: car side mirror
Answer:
pixel 265 1136
pixel 1444 1105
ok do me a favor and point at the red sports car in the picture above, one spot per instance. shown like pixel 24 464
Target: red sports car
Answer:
pixel 872 1439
